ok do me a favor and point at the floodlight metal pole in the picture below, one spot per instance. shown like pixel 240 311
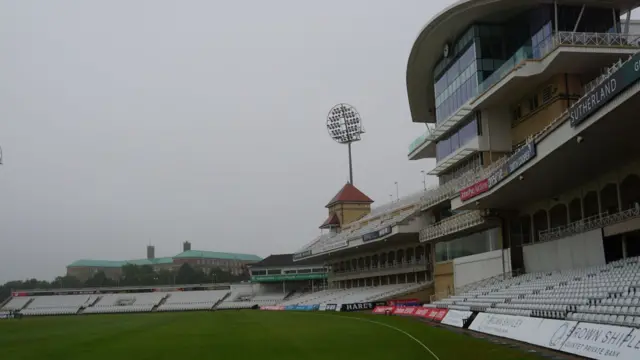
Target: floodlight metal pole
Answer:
pixel 345 127
pixel 350 165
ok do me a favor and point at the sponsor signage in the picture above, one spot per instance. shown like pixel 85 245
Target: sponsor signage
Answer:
pixel 603 342
pixel 288 277
pixel 335 246
pixel 456 318
pixel 331 307
pixel 421 312
pixel 359 306
pixel 383 309
pixel 519 158
pixel 6 315
pixel 405 310
pixel 440 315
pixel 404 302
pixel 307 307
pixel 272 308
pixel 376 234
pixel 474 190
pixel 628 74
pixel 432 313
pixel 512 327
pixel 552 333
pixel 301 255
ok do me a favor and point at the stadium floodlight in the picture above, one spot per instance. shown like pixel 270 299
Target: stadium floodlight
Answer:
pixel 344 125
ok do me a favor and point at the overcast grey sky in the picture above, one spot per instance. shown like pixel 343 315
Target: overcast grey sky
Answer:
pixel 129 122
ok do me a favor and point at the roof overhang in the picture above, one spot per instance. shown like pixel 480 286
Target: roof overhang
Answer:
pixel 608 142
pixel 448 25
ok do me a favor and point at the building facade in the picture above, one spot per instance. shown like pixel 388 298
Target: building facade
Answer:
pixel 205 260
pixel 507 103
pixel 528 110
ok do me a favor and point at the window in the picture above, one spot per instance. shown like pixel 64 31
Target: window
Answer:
pixel 517 112
pixel 533 103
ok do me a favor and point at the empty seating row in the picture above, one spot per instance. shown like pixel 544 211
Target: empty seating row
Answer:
pixel 113 309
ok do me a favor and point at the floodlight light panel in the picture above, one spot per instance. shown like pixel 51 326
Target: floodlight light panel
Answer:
pixel 344 124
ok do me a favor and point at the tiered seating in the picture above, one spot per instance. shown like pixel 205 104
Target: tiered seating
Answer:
pixel 16 303
pixel 126 303
pixel 608 294
pixel 57 305
pixel 353 295
pixel 243 300
pixel 192 300
pixel 386 215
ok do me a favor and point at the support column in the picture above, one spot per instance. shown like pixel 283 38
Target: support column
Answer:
pixel 580 17
pixel 619 196
pixel 626 24
pixel 555 14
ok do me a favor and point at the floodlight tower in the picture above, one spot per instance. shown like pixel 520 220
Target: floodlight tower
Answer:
pixel 345 127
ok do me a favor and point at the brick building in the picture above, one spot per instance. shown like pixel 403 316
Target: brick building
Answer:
pixel 232 262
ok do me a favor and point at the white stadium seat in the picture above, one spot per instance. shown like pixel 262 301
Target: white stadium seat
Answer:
pixel 606 294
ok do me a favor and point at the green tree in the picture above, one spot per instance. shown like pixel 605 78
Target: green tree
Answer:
pixel 188 275
pixel 100 279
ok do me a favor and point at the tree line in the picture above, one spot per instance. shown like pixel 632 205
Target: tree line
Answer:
pixel 132 275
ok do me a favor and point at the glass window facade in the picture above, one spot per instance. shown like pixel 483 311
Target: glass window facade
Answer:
pixel 541 40
pixel 457 139
pixel 457 85
pixel 477 243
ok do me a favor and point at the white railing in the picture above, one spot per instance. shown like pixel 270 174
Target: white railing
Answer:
pixel 451 225
pixel 587 224
pixel 596 39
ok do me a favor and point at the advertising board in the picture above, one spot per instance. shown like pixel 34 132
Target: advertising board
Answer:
pixel 512 327
pixel 440 315
pixel 405 310
pixel 383 309
pixel 603 342
pixel 552 333
pixel 456 318
pixel 421 312
pixel 624 77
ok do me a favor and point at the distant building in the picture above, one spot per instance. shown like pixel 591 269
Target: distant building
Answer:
pixel 280 273
pixel 231 262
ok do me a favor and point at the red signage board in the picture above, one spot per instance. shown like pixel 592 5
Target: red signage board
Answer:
pixel 474 190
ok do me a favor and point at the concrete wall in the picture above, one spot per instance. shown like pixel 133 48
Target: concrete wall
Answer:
pixel 443 279
pixel 471 269
pixel 348 213
pixel 496 129
pixel 566 88
pixel 577 251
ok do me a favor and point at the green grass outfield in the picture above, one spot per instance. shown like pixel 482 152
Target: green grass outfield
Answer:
pixel 238 335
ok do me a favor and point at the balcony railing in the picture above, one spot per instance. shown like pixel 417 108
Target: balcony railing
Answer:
pixel 588 224
pixel 561 38
pixel 596 39
pixel 387 266
pixel 452 225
